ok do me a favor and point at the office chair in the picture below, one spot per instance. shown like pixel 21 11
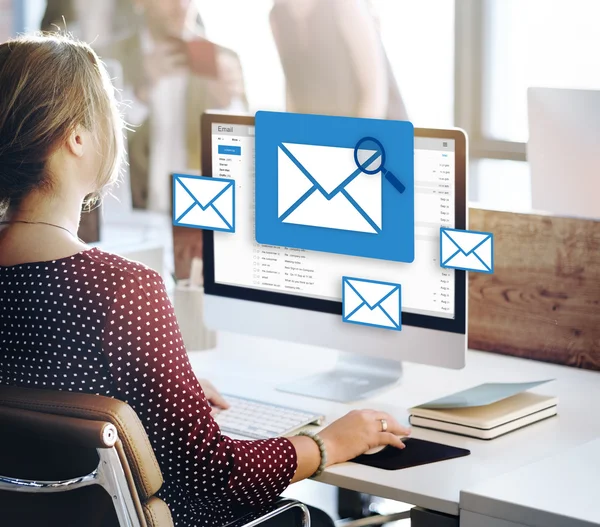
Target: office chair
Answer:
pixel 75 459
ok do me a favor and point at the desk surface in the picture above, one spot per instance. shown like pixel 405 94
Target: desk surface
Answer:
pixel 560 490
pixel 254 367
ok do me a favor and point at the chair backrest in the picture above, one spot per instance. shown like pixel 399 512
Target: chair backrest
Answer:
pixel 94 446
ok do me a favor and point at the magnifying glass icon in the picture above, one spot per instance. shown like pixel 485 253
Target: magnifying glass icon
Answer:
pixel 369 156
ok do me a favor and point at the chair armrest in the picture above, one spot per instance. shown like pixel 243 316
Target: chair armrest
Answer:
pixel 59 428
pixel 271 511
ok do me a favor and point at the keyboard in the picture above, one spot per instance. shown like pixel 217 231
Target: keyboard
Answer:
pixel 259 420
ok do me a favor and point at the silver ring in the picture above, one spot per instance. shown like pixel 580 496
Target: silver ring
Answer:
pixel 383 425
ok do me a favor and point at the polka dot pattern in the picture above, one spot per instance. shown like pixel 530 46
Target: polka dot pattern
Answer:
pixel 98 323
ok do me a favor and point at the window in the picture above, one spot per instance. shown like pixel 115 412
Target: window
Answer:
pixel 549 43
pixel 244 27
pixel 6 19
pixel 420 48
pixel 33 12
pixel 419 41
pixel 464 63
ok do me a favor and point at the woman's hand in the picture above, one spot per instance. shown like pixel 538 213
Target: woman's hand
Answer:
pixel 359 431
pixel 213 396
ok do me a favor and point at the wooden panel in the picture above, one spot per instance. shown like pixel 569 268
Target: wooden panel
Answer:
pixel 543 300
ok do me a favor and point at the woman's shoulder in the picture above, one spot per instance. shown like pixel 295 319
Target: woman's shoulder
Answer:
pixel 118 268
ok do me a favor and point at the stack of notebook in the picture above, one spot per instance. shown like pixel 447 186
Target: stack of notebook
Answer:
pixel 486 411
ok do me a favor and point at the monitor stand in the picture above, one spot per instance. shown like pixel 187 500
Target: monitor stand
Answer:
pixel 354 377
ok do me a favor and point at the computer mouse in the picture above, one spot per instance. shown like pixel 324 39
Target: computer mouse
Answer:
pixel 375 450
pixel 378 449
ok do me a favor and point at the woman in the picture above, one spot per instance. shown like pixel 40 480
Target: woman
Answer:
pixel 333 59
pixel 80 319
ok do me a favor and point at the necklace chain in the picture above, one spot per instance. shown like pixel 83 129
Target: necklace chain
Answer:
pixel 39 223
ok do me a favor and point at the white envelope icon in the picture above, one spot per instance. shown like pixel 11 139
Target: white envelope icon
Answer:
pixel 204 202
pixel 371 303
pixel 467 250
pixel 321 186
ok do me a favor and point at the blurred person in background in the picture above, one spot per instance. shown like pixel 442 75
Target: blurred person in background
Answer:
pixel 89 21
pixel 396 107
pixel 59 14
pixel 333 59
pixel 171 75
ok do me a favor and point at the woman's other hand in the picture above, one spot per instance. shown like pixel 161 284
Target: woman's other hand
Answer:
pixel 213 396
pixel 359 431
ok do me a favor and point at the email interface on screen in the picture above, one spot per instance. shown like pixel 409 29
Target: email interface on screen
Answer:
pixel 427 288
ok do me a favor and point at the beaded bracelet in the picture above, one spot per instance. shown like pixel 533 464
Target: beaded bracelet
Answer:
pixel 323 451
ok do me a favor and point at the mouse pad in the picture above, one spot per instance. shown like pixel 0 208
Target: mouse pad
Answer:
pixel 417 452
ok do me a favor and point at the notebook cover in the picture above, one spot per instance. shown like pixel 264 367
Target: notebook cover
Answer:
pixel 482 395
pixel 417 452
pixel 480 433
pixel 493 415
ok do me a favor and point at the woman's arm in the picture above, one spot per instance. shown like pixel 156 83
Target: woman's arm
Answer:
pixel 364 44
pixel 308 455
pixel 152 373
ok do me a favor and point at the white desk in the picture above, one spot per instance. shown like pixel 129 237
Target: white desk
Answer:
pixel 560 490
pixel 253 367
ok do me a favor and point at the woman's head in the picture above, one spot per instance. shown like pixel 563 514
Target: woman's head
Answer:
pixel 57 111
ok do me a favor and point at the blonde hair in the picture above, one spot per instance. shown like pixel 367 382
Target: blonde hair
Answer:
pixel 49 85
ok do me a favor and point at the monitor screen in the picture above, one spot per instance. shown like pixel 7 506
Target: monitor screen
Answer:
pixel 427 289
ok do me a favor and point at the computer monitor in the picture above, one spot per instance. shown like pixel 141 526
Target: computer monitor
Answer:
pixel 294 295
pixel 564 151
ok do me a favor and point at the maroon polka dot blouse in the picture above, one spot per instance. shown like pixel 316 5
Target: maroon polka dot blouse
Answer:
pixel 98 323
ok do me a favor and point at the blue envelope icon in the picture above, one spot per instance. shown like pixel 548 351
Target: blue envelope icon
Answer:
pixel 371 303
pixel 317 189
pixel 204 202
pixel 467 250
